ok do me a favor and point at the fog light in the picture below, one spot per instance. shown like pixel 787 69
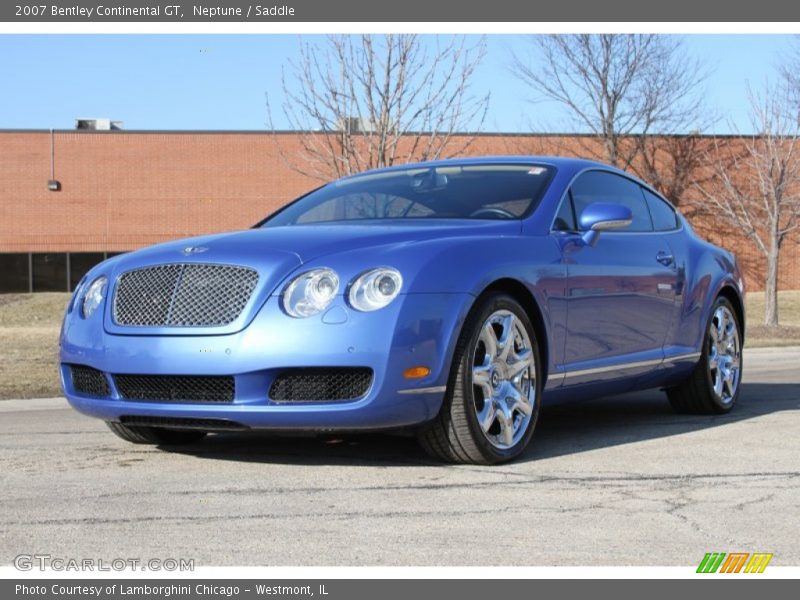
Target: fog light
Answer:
pixel 416 372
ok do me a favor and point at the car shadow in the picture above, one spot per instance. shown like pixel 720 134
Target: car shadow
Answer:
pixel 640 416
pixel 563 429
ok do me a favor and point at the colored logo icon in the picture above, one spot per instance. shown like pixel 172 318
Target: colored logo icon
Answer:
pixel 734 562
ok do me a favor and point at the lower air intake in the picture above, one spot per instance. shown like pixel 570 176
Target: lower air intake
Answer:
pixel 176 388
pixel 182 423
pixel 321 384
pixel 89 382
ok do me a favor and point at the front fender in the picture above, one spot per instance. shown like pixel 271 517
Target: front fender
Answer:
pixel 473 265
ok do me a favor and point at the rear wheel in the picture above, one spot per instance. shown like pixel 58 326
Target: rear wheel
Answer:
pixel 492 401
pixel 137 434
pixel 713 386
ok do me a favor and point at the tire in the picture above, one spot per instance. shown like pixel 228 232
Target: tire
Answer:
pixel 138 434
pixel 509 416
pixel 713 386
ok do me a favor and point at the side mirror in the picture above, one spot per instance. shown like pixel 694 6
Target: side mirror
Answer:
pixel 603 216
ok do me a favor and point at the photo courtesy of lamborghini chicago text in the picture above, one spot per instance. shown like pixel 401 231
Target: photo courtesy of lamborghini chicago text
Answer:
pixel 354 299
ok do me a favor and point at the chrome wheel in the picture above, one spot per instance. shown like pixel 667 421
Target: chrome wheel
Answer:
pixel 504 379
pixel 724 355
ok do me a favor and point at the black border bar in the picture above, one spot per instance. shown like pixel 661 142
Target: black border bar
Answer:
pixel 707 586
pixel 360 11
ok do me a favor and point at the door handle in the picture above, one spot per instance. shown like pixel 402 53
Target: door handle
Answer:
pixel 665 259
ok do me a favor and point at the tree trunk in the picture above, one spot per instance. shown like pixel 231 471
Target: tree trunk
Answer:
pixel 771 287
pixel 611 149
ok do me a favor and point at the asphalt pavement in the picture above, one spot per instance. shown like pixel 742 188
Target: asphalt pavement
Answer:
pixel 613 481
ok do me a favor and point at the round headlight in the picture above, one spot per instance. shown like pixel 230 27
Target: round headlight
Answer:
pixel 310 292
pixel 93 296
pixel 375 289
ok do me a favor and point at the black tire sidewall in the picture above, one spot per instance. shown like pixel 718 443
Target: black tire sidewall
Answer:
pixel 155 436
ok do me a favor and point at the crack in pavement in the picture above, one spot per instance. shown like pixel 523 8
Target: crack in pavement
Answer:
pixel 528 481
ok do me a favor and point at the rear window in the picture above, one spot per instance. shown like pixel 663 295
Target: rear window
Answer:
pixel 497 192
pixel 664 217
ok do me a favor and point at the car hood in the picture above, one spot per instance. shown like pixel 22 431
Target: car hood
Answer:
pixel 275 252
pixel 307 242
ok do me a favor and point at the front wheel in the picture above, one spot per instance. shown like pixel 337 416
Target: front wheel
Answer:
pixel 713 386
pixel 492 401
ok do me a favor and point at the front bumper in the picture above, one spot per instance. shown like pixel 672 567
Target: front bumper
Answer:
pixel 415 330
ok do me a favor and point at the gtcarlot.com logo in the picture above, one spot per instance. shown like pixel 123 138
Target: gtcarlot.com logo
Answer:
pixel 734 562
pixel 43 562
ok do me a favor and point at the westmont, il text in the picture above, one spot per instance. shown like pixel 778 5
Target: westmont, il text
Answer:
pixel 167 590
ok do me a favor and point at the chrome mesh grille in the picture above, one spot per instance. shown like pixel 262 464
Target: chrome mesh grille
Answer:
pixel 144 296
pixel 321 384
pixel 183 295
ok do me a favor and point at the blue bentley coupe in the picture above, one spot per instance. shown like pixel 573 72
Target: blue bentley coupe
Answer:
pixel 451 298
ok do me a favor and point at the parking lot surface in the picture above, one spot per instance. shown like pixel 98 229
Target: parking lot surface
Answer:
pixel 614 481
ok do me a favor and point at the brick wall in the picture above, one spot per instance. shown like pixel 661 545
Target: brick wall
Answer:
pixel 124 190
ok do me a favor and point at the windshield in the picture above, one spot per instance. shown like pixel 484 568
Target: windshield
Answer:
pixel 450 192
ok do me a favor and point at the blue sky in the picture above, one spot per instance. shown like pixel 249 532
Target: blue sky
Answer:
pixel 220 81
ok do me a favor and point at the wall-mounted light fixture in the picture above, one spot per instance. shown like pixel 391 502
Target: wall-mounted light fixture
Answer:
pixel 53 184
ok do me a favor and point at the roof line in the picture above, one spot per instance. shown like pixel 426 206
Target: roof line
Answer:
pixel 527 134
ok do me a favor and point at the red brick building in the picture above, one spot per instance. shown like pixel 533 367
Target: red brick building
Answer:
pixel 121 190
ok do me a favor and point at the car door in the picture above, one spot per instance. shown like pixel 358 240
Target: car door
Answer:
pixel 620 292
pixel 668 225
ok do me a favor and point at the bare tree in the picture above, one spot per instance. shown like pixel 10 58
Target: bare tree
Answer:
pixel 789 69
pixel 621 88
pixel 674 164
pixel 368 101
pixel 756 185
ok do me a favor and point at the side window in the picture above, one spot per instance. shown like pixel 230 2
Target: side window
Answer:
pixel 565 219
pixel 602 186
pixel 664 217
